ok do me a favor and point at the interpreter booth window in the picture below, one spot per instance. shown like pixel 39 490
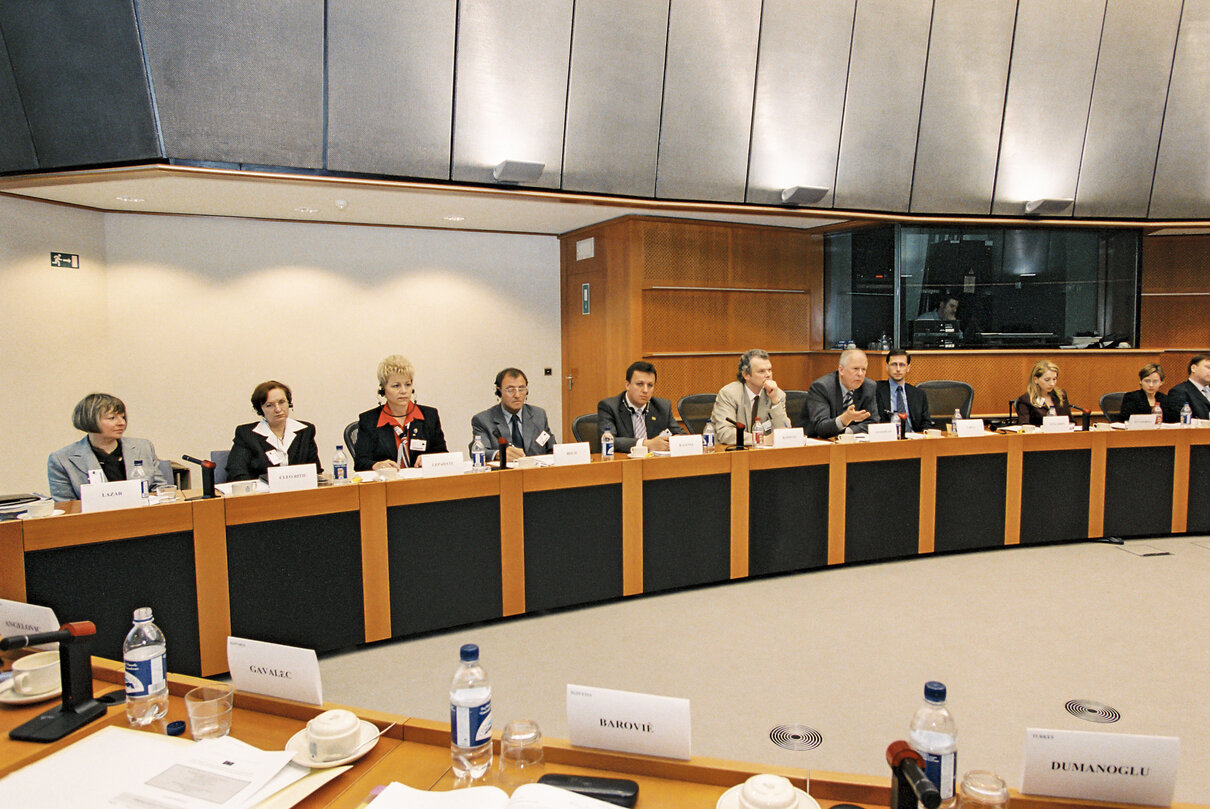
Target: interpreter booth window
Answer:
pixel 992 287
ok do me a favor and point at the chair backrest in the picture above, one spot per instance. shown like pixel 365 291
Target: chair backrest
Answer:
pixel 1111 406
pixel 219 456
pixel 350 438
pixel 796 400
pixel 945 396
pixel 695 410
pixel 166 471
pixel 584 428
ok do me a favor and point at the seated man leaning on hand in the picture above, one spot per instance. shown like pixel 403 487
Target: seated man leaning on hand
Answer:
pixel 844 401
pixel 523 425
pixel 754 396
pixel 635 417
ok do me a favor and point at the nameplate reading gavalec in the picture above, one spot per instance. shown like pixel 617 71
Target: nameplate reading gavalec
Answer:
pixel 275 670
pixel 645 724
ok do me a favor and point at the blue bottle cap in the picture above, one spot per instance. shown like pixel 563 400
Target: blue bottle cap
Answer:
pixel 934 691
pixel 176 728
pixel 470 653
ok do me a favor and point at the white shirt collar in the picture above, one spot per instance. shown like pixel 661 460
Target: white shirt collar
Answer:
pixel 292 426
pixel 633 406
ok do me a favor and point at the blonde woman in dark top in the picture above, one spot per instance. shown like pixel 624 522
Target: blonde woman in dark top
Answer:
pixel 1042 397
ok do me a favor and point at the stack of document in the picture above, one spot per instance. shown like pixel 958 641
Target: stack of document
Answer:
pixel 528 796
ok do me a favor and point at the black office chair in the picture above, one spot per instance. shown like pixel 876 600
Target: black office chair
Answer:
pixel 796 400
pixel 1111 406
pixel 350 437
pixel 945 396
pixel 584 428
pixel 695 410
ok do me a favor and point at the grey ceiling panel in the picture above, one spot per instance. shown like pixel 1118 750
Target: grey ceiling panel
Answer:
pixel 1046 111
pixel 1182 173
pixel 16 145
pixel 79 73
pixel 511 86
pixel 614 95
pixel 1127 107
pixel 882 104
pixel 709 83
pixel 391 87
pixel 238 81
pixel 963 105
pixel 800 87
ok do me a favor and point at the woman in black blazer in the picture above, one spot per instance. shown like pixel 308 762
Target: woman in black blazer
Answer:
pixel 1041 397
pixel 1144 400
pixel 400 431
pixel 276 440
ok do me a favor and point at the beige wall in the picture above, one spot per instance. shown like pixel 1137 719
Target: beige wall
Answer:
pixel 182 316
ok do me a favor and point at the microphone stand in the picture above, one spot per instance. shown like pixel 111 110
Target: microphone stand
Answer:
pixel 75 673
pixel 739 436
pixel 208 468
pixel 503 443
pixel 909 784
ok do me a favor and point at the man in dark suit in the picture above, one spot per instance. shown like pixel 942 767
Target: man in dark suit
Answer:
pixel 524 425
pixel 897 396
pixel 1195 392
pixel 844 401
pixel 635 416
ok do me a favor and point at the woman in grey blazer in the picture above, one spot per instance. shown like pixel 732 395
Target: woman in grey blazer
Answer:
pixel 103 417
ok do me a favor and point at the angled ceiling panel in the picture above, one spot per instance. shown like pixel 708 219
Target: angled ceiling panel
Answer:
pixel 613 103
pixel 963 105
pixel 882 104
pixel 391 87
pixel 16 145
pixel 1046 111
pixel 79 73
pixel 709 83
pixel 800 87
pixel 238 81
pixel 511 86
pixel 1182 174
pixel 1128 96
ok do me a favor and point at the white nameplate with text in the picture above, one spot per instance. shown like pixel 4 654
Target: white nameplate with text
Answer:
pixel 572 454
pixel 439 464
pixel 968 428
pixel 789 437
pixel 1056 424
pixel 108 496
pixel 1142 421
pixel 679 445
pixel 1118 767
pixel 645 724
pixel 19 618
pixel 275 670
pixel 883 432
pixel 292 478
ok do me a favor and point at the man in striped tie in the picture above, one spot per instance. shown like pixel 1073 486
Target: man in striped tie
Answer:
pixel 636 417
pixel 842 401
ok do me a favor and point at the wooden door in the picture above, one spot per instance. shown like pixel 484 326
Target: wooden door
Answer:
pixel 585 337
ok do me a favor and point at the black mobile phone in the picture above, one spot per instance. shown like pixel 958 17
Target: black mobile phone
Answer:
pixel 618 791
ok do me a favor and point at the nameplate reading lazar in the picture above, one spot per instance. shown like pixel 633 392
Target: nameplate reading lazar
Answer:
pixel 628 722
pixel 1118 767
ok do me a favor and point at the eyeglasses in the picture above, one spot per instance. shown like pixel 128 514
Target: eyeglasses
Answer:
pixel 521 391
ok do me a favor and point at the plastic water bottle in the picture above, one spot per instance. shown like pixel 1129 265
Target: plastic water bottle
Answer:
pixel 140 474
pixel 340 463
pixel 897 423
pixel 470 716
pixel 935 737
pixel 1158 412
pixel 478 455
pixel 1186 415
pixel 145 655
pixel 957 415
pixel 708 436
pixel 758 432
pixel 607 446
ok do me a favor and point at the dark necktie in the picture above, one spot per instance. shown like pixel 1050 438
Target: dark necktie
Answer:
pixel 901 406
pixel 517 440
pixel 847 400
pixel 755 402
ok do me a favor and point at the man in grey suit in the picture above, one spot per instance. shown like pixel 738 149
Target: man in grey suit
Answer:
pixel 522 424
pixel 754 396
pixel 844 401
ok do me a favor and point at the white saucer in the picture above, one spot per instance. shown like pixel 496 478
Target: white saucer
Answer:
pixel 302 754
pixel 27 516
pixel 10 697
pixel 730 799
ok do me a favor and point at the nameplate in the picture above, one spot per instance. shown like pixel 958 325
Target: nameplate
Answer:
pixel 645 724
pixel 882 432
pixel 440 464
pixel 679 445
pixel 275 670
pixel 1117 767
pixel 968 428
pixel 109 496
pixel 19 618
pixel 572 454
pixel 1141 421
pixel 789 437
pixel 292 478
pixel 1056 424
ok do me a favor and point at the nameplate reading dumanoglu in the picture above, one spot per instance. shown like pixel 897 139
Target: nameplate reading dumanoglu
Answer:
pixel 292 478
pixel 1118 767
pixel 645 724
pixel 275 670
pixel 572 454
pixel 109 496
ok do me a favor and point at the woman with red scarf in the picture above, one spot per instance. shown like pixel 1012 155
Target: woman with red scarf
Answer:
pixel 396 434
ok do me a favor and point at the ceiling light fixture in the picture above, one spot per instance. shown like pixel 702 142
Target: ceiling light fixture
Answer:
pixel 1047 207
pixel 454 218
pixel 304 209
pixel 518 171
pixel 129 199
pixel 803 194
pixel 341 204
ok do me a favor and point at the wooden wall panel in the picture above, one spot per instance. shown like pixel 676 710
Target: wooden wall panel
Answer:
pixel 1175 291
pixel 716 254
pixel 1169 320
pixel 716 320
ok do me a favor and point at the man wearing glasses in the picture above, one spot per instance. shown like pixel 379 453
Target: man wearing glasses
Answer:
pixel 522 424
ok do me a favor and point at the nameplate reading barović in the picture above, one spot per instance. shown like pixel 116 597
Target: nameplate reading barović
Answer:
pixel 629 722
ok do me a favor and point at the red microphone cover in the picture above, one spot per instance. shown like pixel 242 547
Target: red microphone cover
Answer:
pixel 80 628
pixel 739 425
pixel 502 441
pixel 900 751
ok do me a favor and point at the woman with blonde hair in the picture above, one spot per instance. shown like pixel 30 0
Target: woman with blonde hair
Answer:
pixel 1042 396
pixel 396 433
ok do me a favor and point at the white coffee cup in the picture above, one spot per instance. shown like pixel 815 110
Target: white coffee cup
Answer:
pixel 333 734
pixel 768 791
pixel 41 508
pixel 36 673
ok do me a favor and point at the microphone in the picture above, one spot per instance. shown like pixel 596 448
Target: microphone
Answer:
pixel 739 435
pixel 905 765
pixel 200 462
pixel 208 468
pixel 76 629
pixel 503 442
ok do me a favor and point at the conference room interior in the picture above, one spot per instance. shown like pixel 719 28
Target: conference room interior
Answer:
pixel 216 248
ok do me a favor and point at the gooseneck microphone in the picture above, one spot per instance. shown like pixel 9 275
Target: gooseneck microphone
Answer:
pixel 739 435
pixel 504 445
pixel 908 782
pixel 76 629
pixel 208 468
